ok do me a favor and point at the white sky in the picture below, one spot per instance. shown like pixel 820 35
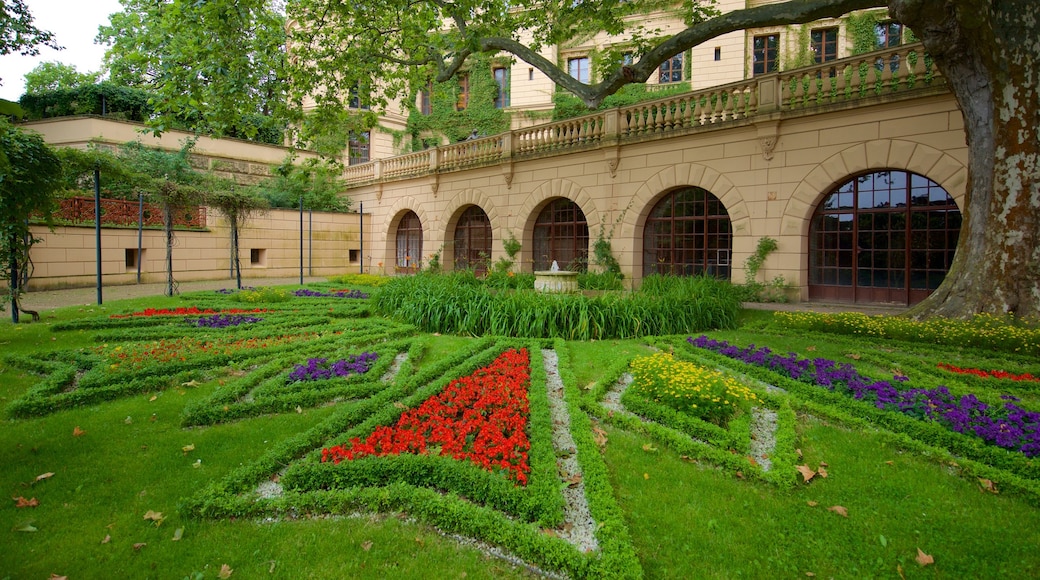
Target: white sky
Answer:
pixel 74 24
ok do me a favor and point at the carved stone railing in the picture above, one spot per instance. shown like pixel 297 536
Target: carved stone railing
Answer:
pixel 901 71
pixel 121 212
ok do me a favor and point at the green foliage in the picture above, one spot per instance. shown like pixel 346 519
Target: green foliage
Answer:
pixel 18 33
pixel 30 176
pixel 52 76
pixel 862 29
pixel 605 280
pixel 351 280
pixel 567 106
pixel 105 98
pixel 459 303
pixel 690 389
pixel 450 124
pixel 754 291
pixel 316 181
pixel 208 65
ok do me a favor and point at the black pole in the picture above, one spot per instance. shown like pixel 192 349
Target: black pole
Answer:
pixel 14 281
pixel 140 233
pixel 310 242
pixel 301 240
pixel 97 226
pixel 361 235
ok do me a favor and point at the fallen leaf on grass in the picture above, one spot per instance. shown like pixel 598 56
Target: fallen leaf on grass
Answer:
pixel 810 348
pixel 154 397
pixel 899 568
pixel 649 447
pixel 366 545
pixel 129 420
pixel 299 409
pixel 108 538
pixel 821 471
pixel 29 528
pixel 810 574
pixel 853 356
pixel 77 432
pixel 812 503
pixel 590 386
pixel 599 436
pixel 573 480
pixel 191 383
pixel 187 448
pixel 988 485
pixel 156 517
pixel 139 545
pixel 806 471
pixel 646 476
pixel 400 405
pixel 44 476
pixel 178 534
pixel 924 559
pixel 225 572
pixel 21 502
pixel 54 576
pixel 840 510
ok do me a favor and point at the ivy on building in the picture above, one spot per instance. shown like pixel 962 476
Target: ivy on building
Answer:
pixel 446 121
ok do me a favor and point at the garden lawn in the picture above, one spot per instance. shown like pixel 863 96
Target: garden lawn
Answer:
pixel 123 468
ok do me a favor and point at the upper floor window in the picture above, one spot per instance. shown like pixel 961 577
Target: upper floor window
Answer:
pixel 425 104
pixel 765 54
pixel 501 75
pixel 824 44
pixel 356 101
pixel 889 34
pixel 579 68
pixel 463 100
pixel 358 148
pixel 671 69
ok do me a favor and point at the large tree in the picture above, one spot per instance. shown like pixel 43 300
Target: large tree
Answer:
pixel 986 49
pixel 18 33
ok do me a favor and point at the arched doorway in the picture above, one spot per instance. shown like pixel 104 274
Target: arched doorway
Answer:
pixel 561 234
pixel 688 233
pixel 409 244
pixel 886 236
pixel 473 241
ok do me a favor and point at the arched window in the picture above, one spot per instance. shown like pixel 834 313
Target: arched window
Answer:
pixel 561 234
pixel 473 241
pixel 409 244
pixel 887 236
pixel 688 233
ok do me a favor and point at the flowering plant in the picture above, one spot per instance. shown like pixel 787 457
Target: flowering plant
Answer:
pixel 1009 426
pixel 689 388
pixel 995 374
pixel 319 368
pixel 223 320
pixel 330 294
pixel 183 311
pixel 481 417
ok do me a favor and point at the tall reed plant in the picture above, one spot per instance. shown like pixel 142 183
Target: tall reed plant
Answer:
pixel 460 304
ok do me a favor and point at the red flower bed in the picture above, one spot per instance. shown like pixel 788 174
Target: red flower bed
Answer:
pixel 481 417
pixel 994 374
pixel 185 311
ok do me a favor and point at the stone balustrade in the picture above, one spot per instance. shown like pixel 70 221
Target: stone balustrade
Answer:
pixel 900 72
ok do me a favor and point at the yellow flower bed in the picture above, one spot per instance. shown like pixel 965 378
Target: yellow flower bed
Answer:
pixel 693 389
pixel 984 330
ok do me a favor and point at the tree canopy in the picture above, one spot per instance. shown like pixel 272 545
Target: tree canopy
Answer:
pixel 18 33
pixel 53 76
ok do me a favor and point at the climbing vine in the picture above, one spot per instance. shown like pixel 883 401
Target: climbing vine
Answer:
pixel 862 29
pixel 446 123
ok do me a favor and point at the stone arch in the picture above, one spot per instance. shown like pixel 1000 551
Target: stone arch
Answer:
pixel 457 206
pixel 668 179
pixel 535 202
pixel 396 212
pixel 940 167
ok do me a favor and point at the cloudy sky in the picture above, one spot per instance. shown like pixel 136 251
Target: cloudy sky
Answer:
pixel 74 24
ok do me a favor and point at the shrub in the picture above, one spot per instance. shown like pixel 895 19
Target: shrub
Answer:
pixel 262 294
pixel 359 280
pixel 689 388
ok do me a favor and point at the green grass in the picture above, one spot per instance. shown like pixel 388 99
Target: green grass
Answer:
pixel 685 518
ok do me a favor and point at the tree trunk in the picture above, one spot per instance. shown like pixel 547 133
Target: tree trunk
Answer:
pixel 988 52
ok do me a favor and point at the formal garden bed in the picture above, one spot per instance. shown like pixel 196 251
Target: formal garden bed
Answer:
pixel 245 424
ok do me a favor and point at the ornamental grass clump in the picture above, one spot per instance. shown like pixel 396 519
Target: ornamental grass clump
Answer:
pixel 689 388
pixel 320 368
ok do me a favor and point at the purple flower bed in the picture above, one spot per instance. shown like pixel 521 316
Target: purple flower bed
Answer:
pixel 319 368
pixel 223 320
pixel 335 294
pixel 1009 426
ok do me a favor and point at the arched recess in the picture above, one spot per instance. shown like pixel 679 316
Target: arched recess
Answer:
pixel 401 211
pixel 455 210
pixel 944 169
pixel 471 241
pixel 669 179
pixel 688 233
pixel 883 236
pixel 538 200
